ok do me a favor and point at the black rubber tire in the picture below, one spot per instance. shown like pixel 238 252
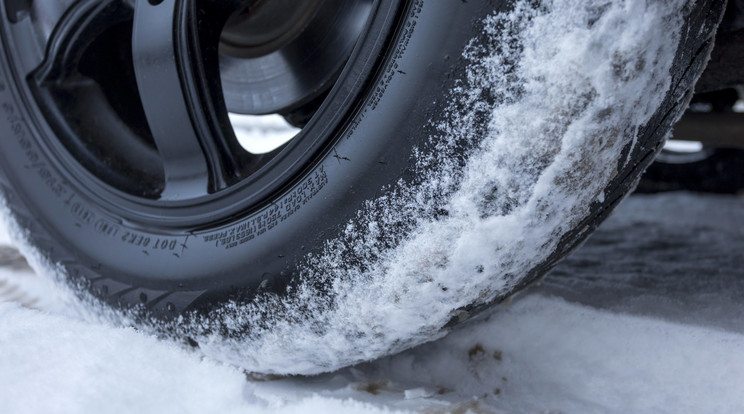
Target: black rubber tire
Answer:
pixel 104 254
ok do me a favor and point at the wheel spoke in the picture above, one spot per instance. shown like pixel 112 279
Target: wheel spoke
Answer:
pixel 80 25
pixel 176 62
pixel 186 170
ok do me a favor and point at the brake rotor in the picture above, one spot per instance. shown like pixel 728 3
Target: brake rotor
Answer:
pixel 278 55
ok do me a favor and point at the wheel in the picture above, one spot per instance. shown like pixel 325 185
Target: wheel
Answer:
pixel 450 153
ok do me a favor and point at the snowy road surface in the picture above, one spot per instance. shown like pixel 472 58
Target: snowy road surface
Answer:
pixel 646 317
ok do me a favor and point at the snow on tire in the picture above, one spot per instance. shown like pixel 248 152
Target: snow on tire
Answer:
pixel 488 141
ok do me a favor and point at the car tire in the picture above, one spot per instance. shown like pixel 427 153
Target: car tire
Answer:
pixel 251 273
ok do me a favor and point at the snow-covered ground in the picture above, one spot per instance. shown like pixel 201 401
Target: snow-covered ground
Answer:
pixel 646 317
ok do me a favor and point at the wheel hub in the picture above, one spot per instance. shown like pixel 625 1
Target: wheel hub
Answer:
pixel 278 55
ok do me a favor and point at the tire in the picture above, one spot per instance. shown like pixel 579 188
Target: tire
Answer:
pixel 364 235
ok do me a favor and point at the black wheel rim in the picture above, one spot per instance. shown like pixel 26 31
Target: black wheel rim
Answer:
pixel 111 117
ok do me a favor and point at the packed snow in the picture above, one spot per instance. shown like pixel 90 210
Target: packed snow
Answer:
pixel 261 134
pixel 645 318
